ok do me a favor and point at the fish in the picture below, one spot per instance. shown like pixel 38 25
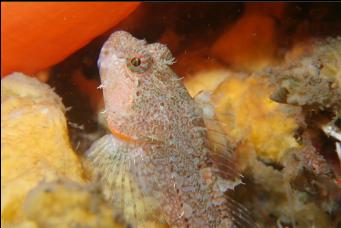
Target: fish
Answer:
pixel 158 151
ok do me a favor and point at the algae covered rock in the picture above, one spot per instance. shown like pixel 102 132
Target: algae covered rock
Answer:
pixel 34 142
pixel 269 155
pixel 311 78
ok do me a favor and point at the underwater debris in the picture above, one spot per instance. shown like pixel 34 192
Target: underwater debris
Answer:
pixel 159 139
pixel 331 130
pixel 34 142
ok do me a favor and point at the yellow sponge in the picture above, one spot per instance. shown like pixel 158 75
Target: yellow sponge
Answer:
pixel 34 142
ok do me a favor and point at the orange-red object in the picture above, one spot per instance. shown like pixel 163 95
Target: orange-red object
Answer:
pixel 122 136
pixel 37 35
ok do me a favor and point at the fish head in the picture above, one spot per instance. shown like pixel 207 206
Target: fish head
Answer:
pixel 129 69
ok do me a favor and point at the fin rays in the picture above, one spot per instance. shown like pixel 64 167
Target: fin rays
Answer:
pixel 117 171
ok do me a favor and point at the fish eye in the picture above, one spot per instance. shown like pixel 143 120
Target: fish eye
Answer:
pixel 135 61
pixel 139 64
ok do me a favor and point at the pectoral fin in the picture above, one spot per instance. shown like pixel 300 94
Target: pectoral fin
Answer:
pixel 115 165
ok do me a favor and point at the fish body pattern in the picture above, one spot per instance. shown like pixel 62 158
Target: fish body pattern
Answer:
pixel 158 137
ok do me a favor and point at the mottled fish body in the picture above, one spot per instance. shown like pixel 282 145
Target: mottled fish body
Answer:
pixel 159 153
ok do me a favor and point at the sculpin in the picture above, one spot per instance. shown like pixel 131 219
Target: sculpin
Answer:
pixel 159 153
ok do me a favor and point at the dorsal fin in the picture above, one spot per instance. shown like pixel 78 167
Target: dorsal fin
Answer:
pixel 221 150
pixel 223 159
pixel 224 163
